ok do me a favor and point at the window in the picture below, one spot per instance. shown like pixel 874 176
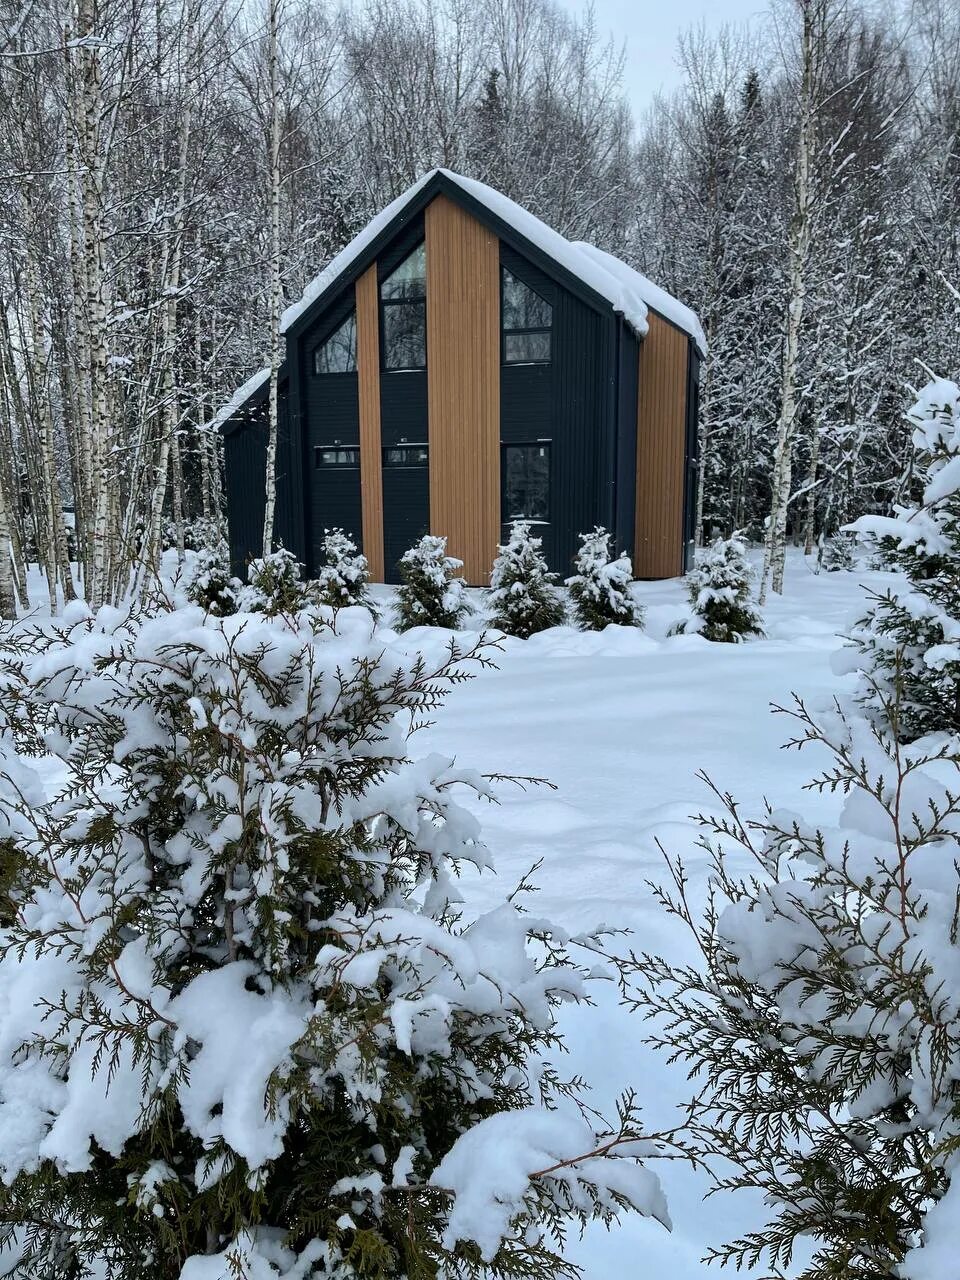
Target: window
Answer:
pixel 403 309
pixel 526 481
pixel 332 455
pixel 526 320
pixel 339 353
pixel 407 455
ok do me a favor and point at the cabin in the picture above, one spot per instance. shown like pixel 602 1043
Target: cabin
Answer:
pixel 460 365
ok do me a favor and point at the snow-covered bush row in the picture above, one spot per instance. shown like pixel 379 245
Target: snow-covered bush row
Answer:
pixel 245 1028
pixel 600 588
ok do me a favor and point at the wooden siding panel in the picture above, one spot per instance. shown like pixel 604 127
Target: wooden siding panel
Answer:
pixel 661 435
pixel 368 386
pixel 463 384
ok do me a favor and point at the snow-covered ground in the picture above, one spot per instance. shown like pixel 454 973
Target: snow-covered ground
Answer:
pixel 620 722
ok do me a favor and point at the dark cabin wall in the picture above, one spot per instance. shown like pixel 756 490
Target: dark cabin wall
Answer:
pixel 628 358
pixel 570 403
pixel 245 466
pixel 330 407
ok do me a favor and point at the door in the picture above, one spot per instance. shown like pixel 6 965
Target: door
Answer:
pixel 406 502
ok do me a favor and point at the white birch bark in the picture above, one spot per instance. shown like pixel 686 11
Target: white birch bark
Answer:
pixel 276 295
pixel 813 14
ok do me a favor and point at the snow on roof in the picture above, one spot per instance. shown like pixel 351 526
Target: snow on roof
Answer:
pixel 627 291
pixel 243 393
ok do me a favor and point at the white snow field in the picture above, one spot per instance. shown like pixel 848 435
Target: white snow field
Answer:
pixel 620 722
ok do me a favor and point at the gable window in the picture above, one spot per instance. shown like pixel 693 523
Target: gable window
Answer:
pixel 526 319
pixel 339 353
pixel 526 481
pixel 403 311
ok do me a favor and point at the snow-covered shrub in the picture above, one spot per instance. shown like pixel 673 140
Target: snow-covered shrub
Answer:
pixel 245 1029
pixel 911 634
pixel 344 573
pixel 274 585
pixel 431 593
pixel 719 588
pixel 198 533
pixel 523 595
pixel 207 581
pixel 838 552
pixel 823 1020
pixel 601 586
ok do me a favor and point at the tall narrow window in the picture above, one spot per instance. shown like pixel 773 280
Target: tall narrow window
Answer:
pixel 339 353
pixel 526 320
pixel 526 481
pixel 403 307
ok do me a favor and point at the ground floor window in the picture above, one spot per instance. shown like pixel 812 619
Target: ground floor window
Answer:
pixel 332 455
pixel 405 455
pixel 526 481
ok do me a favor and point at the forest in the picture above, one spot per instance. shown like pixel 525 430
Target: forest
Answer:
pixel 174 172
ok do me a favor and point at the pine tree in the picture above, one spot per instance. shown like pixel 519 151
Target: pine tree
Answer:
pixel 601 586
pixel 719 590
pixel 244 1029
pixel 523 596
pixel 909 638
pixel 344 574
pixel 431 593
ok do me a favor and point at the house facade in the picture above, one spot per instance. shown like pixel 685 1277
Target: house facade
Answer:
pixel 461 365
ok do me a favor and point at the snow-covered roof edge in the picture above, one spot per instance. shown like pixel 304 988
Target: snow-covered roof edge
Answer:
pixel 627 291
pixel 226 412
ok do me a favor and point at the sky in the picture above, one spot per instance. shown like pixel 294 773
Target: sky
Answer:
pixel 650 29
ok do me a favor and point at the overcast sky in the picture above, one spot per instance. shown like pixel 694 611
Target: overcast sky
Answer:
pixel 650 29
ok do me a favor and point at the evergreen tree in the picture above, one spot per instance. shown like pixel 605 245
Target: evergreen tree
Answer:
pixel 431 593
pixel 274 584
pixel 909 638
pixel 208 582
pixel 523 596
pixel 244 1030
pixel 719 590
pixel 344 575
pixel 821 1020
pixel 601 586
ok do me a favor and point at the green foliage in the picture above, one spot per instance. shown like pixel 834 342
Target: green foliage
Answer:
pixel 274 585
pixel 523 595
pixel 208 581
pixel 600 589
pixel 343 575
pixel 719 590
pixel 431 592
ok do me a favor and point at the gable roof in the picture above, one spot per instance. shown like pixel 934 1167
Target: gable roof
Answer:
pixel 602 279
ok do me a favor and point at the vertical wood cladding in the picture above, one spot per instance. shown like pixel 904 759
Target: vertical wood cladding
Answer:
pixel 463 384
pixel 661 432
pixel 368 374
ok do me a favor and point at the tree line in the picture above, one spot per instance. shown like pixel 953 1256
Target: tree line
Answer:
pixel 175 172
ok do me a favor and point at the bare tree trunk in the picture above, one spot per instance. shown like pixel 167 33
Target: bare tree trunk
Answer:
pixel 276 295
pixel 8 603
pixel 774 549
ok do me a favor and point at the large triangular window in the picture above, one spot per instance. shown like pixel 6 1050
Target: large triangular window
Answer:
pixel 526 320
pixel 339 353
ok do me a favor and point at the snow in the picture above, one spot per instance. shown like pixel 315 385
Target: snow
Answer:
pixel 239 397
pixel 627 291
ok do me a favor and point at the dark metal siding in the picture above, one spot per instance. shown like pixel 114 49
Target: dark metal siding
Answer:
pixel 569 402
pixel 332 416
pixel 245 463
pixel 626 460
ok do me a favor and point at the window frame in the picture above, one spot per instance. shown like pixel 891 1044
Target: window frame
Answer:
pixel 419 302
pixel 546 444
pixel 338 373
pixel 526 330
pixel 320 449
pixel 404 447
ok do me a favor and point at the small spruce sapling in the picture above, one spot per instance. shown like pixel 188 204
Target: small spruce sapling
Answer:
pixel 523 595
pixel 344 574
pixel 206 579
pixel 601 586
pixel 274 585
pixel 431 592
pixel 911 633
pixel 719 590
